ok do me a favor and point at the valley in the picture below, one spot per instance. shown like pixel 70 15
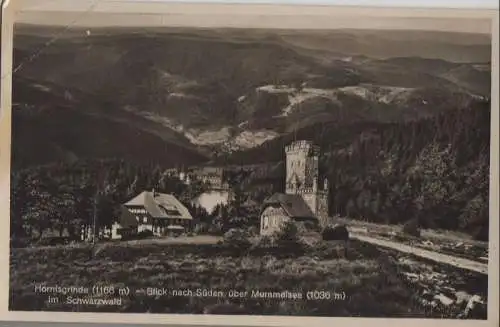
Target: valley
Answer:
pixel 221 91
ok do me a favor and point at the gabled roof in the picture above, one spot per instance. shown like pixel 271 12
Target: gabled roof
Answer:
pixel 293 204
pixel 126 217
pixel 160 205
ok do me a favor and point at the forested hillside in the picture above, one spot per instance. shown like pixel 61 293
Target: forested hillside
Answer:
pixel 435 170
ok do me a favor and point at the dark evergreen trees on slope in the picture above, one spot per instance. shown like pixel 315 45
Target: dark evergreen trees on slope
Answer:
pixel 435 170
pixel 61 197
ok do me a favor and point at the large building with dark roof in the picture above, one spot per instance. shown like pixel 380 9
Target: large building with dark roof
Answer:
pixel 304 198
pixel 160 213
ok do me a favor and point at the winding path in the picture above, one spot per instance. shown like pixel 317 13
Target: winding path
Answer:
pixel 461 263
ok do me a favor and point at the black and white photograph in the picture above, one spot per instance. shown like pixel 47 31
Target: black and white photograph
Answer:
pixel 305 167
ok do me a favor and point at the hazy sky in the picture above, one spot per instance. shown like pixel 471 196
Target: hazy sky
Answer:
pixel 143 13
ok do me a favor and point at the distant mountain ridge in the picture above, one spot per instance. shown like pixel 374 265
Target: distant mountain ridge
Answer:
pixel 218 91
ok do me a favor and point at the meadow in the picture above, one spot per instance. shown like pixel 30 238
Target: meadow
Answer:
pixel 374 282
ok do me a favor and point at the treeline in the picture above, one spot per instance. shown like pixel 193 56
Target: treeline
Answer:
pixel 435 171
pixel 63 198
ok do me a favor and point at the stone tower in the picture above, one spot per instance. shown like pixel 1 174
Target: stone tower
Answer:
pixel 302 177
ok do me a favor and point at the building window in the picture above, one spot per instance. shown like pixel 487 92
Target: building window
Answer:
pixel 144 220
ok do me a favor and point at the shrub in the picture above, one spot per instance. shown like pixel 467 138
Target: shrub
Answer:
pixel 237 238
pixel 215 230
pixel 335 233
pixel 288 237
pixel 311 226
pixel 253 231
pixel 264 241
pixel 330 250
pixel 144 234
pixel 288 233
pixel 301 228
pixel 411 227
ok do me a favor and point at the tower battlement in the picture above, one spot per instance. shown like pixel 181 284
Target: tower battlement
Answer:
pixel 310 190
pixel 302 146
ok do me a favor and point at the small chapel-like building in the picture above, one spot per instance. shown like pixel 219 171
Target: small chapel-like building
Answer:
pixel 305 198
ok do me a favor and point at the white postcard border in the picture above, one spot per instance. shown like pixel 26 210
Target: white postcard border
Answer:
pixel 8 17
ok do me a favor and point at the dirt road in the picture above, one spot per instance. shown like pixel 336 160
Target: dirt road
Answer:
pixel 437 257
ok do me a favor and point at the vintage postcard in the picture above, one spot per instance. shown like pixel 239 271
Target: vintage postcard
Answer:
pixel 261 165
